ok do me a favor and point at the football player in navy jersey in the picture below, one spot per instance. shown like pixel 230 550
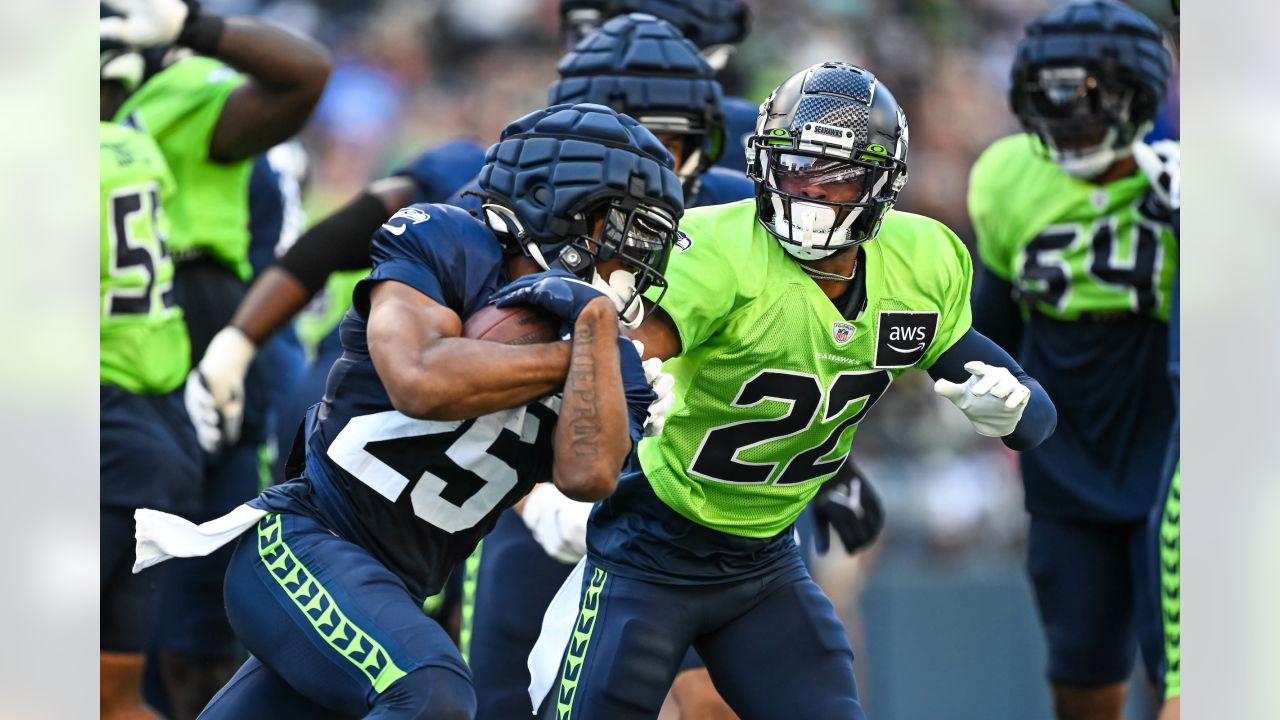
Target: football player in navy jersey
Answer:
pixel 424 437
pixel 642 66
pixel 336 243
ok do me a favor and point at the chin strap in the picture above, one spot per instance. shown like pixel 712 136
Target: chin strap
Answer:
pixel 819 275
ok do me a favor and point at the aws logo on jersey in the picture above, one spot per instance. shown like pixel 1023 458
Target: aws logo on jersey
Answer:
pixel 902 336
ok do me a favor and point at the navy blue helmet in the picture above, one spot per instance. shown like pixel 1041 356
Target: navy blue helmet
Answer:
pixel 558 173
pixel 642 66
pixel 1088 78
pixel 829 157
pixel 708 23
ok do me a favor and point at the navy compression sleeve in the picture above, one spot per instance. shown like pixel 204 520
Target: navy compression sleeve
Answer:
pixel 339 242
pixel 1040 416
pixel 995 313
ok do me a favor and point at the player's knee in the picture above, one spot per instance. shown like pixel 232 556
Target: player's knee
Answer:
pixel 428 692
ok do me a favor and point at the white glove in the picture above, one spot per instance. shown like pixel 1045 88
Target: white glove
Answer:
pixel 557 523
pixel 663 384
pixel 215 390
pixel 146 23
pixel 992 398
pixel 1161 162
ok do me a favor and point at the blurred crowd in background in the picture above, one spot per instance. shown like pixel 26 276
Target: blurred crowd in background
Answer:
pixel 412 73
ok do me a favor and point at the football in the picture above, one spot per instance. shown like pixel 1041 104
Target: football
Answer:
pixel 515 325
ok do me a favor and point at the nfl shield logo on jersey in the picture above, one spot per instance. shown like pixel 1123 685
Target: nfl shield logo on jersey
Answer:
pixel 841 332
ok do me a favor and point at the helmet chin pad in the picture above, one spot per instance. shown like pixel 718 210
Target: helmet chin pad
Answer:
pixel 811 233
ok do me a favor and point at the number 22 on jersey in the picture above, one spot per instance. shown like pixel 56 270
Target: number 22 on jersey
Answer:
pixel 847 401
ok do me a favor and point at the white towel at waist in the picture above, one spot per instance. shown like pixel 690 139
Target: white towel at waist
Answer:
pixel 557 628
pixel 162 536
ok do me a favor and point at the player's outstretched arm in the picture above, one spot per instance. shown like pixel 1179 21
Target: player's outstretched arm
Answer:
pixel 592 438
pixel 998 396
pixel 432 373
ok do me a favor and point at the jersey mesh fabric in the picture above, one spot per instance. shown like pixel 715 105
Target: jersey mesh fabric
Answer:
pixel 180 107
pixel 754 326
pixel 1033 221
pixel 144 347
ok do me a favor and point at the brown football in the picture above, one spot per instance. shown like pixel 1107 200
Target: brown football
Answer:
pixel 514 325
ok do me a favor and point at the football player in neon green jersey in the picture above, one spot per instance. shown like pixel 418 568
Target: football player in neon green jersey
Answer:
pixel 1079 261
pixel 248 87
pixel 149 453
pixel 786 322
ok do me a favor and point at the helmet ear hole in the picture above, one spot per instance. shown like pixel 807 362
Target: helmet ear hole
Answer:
pixel 542 195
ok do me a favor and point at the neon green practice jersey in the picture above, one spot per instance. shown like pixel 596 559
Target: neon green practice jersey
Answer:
pixel 144 347
pixel 1069 246
pixel 179 107
pixel 773 380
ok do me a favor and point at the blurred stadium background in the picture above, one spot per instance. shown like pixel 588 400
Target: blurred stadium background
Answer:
pixel 947 626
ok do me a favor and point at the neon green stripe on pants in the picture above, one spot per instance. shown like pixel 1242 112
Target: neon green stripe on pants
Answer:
pixel 318 605
pixel 578 643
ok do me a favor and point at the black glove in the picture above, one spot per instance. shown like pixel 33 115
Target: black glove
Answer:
pixel 848 503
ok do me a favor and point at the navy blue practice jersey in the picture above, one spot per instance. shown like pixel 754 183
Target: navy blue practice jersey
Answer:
pixel 417 494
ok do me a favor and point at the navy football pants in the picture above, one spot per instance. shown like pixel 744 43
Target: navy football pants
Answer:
pixel 1094 590
pixel 149 458
pixel 773 645
pixel 331 627
pixel 514 584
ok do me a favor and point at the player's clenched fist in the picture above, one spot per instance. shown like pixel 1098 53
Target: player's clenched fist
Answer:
pixel 992 398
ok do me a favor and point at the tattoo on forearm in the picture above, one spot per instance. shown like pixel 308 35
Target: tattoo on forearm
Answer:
pixel 584 420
